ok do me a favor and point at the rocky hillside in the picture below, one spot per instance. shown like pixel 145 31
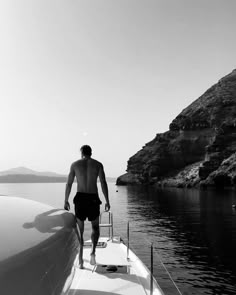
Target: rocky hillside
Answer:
pixel 198 149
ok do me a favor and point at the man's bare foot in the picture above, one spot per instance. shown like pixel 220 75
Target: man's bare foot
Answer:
pixel 92 259
pixel 81 263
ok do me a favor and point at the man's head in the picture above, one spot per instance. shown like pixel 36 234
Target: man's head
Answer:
pixel 86 151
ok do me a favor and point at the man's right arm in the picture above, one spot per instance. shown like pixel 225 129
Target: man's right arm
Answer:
pixel 103 181
pixel 69 183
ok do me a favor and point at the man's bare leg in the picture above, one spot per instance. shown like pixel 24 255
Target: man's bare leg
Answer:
pixel 80 227
pixel 94 237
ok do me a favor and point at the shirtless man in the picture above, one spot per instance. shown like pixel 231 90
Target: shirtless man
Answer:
pixel 86 200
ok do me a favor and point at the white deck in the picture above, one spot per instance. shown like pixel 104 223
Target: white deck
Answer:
pixel 136 281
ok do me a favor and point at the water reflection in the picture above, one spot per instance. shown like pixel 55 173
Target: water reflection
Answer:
pixel 194 231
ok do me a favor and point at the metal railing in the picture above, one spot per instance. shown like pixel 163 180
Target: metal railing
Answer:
pixel 109 225
pixel 151 268
pixel 151 263
pixel 128 240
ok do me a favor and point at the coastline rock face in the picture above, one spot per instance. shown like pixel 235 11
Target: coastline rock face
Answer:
pixel 200 139
pixel 224 176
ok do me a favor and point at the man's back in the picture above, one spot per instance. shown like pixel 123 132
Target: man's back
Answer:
pixel 87 171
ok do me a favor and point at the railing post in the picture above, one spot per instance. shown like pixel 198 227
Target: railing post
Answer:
pixel 109 221
pixel 128 240
pixel 151 275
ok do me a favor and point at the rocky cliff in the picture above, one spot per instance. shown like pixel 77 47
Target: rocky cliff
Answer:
pixel 198 149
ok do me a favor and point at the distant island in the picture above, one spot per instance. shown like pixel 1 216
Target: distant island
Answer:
pixel 26 175
pixel 26 178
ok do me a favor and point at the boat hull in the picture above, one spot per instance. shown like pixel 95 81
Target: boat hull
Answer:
pixel 38 248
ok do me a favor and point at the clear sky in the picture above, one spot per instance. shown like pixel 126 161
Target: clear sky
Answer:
pixel 109 73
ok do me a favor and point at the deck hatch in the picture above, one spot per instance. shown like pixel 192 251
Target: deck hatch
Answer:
pixel 111 268
pixel 99 244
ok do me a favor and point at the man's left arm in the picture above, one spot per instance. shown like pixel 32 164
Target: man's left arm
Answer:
pixel 103 182
pixel 69 183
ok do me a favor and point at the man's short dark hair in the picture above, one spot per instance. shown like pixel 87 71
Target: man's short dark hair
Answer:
pixel 86 150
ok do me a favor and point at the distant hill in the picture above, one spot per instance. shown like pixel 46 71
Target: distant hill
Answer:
pixel 28 178
pixel 27 171
pixel 26 175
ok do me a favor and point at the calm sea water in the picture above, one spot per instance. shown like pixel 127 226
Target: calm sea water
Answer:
pixel 193 232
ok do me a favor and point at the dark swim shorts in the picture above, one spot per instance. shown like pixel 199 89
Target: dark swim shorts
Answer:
pixel 87 206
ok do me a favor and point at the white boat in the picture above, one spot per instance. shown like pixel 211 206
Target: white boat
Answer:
pixel 39 256
pixel 117 271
